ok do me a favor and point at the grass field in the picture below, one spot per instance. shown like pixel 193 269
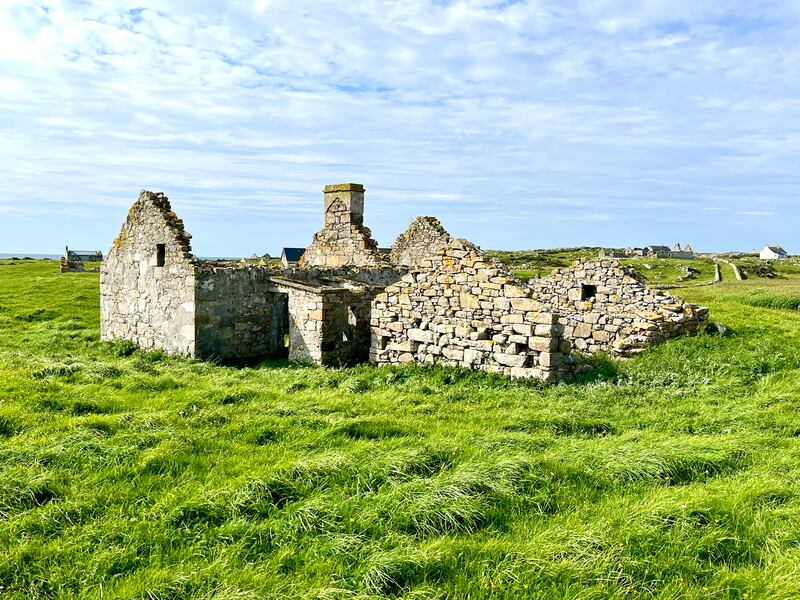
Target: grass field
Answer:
pixel 127 474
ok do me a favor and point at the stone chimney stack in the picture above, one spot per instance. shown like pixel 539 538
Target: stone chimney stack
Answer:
pixel 344 204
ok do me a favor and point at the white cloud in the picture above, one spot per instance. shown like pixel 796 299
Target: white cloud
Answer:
pixel 633 107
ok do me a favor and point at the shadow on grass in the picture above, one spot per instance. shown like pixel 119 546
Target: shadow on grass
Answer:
pixel 597 367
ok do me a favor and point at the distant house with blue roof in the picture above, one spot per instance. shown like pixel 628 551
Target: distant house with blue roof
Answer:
pixel 290 257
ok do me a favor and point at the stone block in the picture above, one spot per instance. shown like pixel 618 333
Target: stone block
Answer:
pixel 418 335
pixel 551 359
pixel 472 357
pixel 524 304
pixel 453 353
pixel 523 329
pixel 544 344
pixel 511 360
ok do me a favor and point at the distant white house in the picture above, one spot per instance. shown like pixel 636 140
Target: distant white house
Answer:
pixel 773 253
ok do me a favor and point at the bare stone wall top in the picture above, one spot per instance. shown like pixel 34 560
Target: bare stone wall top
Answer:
pixel 423 239
pixel 161 203
pixel 147 280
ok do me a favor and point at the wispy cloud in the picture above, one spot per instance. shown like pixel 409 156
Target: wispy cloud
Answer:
pixel 613 122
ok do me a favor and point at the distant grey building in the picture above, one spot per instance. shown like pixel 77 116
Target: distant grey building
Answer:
pixel 72 261
pixel 658 251
pixel 83 255
pixel 686 252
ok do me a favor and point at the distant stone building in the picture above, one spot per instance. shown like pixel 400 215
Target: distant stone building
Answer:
pixel 773 253
pixel 73 260
pixel 612 253
pixel 657 251
pixel 684 253
pixel 431 299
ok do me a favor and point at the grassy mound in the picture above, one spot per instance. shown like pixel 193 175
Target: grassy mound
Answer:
pixel 128 474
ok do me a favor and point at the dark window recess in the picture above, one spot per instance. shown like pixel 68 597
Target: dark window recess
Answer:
pixel 161 254
pixel 588 292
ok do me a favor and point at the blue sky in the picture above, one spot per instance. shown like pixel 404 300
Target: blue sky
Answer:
pixel 520 124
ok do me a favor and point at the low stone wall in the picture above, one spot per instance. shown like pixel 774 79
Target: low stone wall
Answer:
pixel 460 308
pixel 605 306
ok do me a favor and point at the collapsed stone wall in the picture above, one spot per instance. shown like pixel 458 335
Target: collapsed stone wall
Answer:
pixel 605 306
pixel 459 308
pixel 147 281
pixel 237 316
pixel 423 239
pixel 344 241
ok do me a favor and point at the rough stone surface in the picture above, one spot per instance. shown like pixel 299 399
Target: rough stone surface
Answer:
pixel 621 315
pixel 433 299
pixel 140 301
pixel 445 312
pixel 344 241
pixel 423 239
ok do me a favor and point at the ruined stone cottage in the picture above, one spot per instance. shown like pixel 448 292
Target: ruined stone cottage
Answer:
pixel 431 299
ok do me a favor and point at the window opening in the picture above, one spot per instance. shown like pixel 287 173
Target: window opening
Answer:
pixel 588 292
pixel 161 254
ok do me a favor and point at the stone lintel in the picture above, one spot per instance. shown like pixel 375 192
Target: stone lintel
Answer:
pixel 344 187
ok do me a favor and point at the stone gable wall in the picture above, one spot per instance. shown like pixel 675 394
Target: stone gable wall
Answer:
pixel 460 308
pixel 150 305
pixel 623 317
pixel 423 239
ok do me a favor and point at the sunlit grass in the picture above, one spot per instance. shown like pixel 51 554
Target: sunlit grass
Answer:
pixel 128 474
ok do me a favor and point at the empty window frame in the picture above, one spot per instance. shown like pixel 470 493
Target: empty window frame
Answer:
pixel 161 254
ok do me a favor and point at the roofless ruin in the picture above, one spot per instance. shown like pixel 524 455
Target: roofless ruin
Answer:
pixel 432 299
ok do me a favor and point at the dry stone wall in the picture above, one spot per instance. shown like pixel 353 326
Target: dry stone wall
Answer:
pixel 605 306
pixel 423 239
pixel 147 281
pixel 460 308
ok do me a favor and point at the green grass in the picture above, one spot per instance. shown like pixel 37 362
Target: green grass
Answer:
pixel 658 271
pixel 128 474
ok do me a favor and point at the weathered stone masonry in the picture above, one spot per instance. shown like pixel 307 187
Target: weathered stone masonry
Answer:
pixel 459 308
pixel 432 299
pixel 147 282
pixel 605 306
